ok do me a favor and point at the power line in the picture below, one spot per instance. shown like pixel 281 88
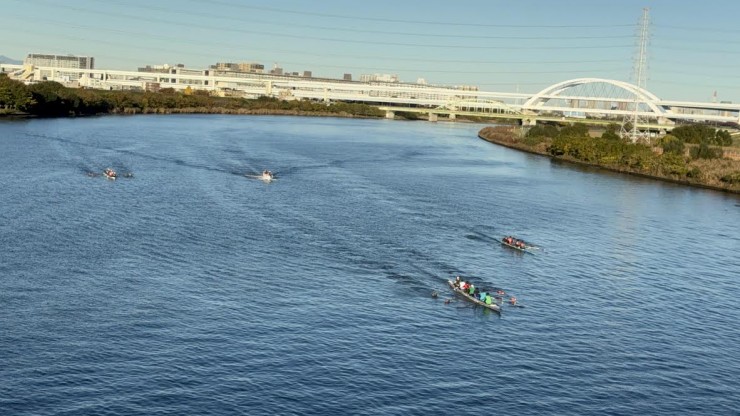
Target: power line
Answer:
pixel 344 56
pixel 348 41
pixel 698 29
pixel 379 32
pixel 404 21
pixel 150 36
pixel 699 50
pixel 439 71
pixel 348 67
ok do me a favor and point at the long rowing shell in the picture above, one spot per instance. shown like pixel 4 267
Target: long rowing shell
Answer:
pixel 460 292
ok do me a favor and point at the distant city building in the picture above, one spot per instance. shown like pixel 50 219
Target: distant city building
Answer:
pixel 161 69
pixel 379 78
pixel 347 77
pixel 466 87
pixel 307 74
pixel 251 67
pixel 276 70
pixel 60 61
pixel 240 67
pixel 225 66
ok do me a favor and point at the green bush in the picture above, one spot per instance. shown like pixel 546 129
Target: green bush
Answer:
pixel 700 133
pixel 543 130
pixel 694 173
pixel 703 151
pixel 574 130
pixel 731 178
pixel 533 140
pixel 673 164
pixel 672 144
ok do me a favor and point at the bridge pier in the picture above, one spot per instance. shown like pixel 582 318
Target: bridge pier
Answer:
pixel 390 114
pixel 432 117
pixel 528 122
pixel 452 116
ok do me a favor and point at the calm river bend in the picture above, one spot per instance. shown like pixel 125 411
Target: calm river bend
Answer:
pixel 192 288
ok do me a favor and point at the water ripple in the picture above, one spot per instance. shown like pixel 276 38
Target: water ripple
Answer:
pixel 194 289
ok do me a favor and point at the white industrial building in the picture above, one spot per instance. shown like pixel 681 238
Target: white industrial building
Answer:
pixel 60 61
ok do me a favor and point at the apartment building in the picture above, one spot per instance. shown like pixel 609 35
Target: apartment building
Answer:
pixel 60 61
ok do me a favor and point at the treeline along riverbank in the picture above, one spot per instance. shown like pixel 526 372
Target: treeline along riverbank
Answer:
pixel 52 99
pixel 695 155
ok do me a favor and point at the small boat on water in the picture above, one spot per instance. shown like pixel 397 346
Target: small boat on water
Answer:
pixel 494 307
pixel 110 174
pixel 517 244
pixel 267 176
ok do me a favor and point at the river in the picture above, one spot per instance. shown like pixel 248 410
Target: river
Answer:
pixel 192 288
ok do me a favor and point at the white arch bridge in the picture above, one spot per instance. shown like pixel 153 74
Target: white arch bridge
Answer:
pixel 593 100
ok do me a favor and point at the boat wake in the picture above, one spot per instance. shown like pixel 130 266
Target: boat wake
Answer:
pixel 478 236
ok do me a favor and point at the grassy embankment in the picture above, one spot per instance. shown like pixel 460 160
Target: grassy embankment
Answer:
pixel 691 155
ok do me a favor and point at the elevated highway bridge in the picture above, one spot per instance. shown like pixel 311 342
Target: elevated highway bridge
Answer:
pixel 592 100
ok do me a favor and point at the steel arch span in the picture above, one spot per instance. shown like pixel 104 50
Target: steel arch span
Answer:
pixel 621 92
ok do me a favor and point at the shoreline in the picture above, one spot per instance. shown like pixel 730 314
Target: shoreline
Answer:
pixel 534 151
pixel 175 111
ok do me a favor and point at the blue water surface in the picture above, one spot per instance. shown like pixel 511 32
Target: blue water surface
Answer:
pixel 194 288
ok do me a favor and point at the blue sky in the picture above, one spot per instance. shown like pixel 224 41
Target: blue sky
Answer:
pixel 509 46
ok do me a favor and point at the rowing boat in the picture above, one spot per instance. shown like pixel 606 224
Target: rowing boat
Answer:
pixel 525 249
pixel 493 307
pixel 110 174
pixel 267 176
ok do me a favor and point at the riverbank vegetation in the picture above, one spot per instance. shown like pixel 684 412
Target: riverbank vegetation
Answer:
pixel 693 154
pixel 51 99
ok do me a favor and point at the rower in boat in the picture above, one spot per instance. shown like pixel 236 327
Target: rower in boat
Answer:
pixel 516 243
pixel 463 289
pixel 110 173
pixel 267 175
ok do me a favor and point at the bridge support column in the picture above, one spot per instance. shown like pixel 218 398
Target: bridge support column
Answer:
pixel 390 114
pixel 528 122
pixel 432 117
pixel 452 116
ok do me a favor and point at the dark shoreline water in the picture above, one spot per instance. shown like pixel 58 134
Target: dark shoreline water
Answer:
pixel 194 289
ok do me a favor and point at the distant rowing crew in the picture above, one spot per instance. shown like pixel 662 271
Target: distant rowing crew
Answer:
pixel 111 174
pixel 267 175
pixel 513 242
